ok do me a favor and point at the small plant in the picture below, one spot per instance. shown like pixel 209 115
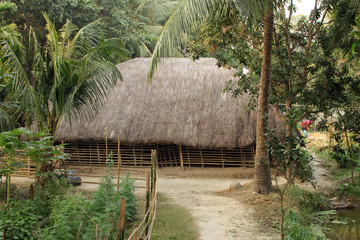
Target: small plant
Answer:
pixel 20 219
pixel 295 230
pixel 38 148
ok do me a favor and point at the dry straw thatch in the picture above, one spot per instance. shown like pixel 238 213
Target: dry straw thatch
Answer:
pixel 184 104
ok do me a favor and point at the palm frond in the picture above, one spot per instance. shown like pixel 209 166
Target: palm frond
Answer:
pixel 6 6
pixel 85 39
pixel 155 29
pixel 7 122
pixel 184 18
pixel 163 10
pixel 188 15
pixel 66 31
pixel 144 50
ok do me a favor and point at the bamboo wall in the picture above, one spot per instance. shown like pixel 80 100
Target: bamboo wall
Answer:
pixel 94 154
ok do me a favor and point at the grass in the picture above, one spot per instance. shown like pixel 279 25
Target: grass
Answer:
pixel 172 222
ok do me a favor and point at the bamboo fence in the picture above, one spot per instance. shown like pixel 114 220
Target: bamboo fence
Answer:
pixel 95 154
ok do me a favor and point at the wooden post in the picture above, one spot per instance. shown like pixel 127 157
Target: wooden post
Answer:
pixel 106 148
pixel 147 202
pixel 135 236
pixel 133 147
pixel 78 153
pixel 170 158
pixel 122 218
pixel 153 171
pixel 90 153
pixel 98 152
pixel 28 166
pixel 118 165
pixel 188 157
pixel 222 158
pixel 181 158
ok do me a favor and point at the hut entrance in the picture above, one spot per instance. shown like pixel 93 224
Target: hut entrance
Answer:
pixel 94 153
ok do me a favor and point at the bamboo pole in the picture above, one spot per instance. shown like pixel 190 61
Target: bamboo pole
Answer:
pixel 122 218
pixel 152 170
pixel 154 157
pixel 133 148
pixel 201 157
pixel 135 236
pixel 188 157
pixel 106 147
pixel 222 158
pixel 118 165
pixel 147 201
pixel 98 152
pixel 181 158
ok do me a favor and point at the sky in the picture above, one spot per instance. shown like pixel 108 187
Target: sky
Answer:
pixel 304 6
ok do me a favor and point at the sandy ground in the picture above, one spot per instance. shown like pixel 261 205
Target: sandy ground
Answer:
pixel 217 217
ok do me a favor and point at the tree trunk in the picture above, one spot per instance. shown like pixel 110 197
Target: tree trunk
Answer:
pixel 262 177
pixel 290 165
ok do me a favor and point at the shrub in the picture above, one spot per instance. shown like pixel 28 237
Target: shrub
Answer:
pixel 20 218
pixel 65 218
pixel 294 229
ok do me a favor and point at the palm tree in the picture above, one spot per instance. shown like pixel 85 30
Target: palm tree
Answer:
pixel 10 45
pixel 157 12
pixel 262 177
pixel 184 19
pixel 71 76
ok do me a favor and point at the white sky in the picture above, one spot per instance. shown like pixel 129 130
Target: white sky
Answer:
pixel 304 6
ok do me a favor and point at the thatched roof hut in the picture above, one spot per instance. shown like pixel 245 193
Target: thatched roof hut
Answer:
pixel 183 106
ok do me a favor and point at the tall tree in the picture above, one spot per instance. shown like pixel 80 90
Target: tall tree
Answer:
pixel 118 18
pixel 186 17
pixel 299 64
pixel 262 177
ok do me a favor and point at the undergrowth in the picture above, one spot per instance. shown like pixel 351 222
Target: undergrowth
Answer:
pixel 55 214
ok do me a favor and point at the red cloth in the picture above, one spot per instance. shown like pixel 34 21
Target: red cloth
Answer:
pixel 305 124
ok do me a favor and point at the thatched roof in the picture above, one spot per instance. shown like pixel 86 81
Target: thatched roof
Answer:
pixel 184 104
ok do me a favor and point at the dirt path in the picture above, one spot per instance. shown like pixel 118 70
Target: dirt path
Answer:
pixel 320 174
pixel 217 217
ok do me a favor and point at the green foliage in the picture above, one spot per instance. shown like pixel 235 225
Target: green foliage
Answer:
pixel 20 218
pixel 307 201
pixel 348 191
pixel 290 148
pixel 295 230
pixel 118 18
pixel 25 218
pixel 65 218
pixel 74 67
pixel 126 191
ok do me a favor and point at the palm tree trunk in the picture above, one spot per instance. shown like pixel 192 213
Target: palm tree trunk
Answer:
pixel 262 177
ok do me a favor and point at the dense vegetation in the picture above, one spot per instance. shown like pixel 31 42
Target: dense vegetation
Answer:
pixel 57 56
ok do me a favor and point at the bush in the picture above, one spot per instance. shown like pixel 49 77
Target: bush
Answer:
pixel 55 215
pixel 294 229
pixel 65 218
pixel 20 218
pixel 307 201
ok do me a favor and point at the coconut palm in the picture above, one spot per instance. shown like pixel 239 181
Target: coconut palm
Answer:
pixel 157 12
pixel 185 18
pixel 11 54
pixel 72 75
